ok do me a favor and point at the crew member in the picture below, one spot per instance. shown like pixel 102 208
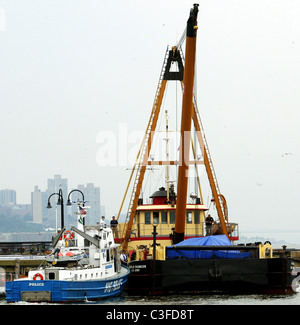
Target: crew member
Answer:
pixel 102 222
pixel 123 257
pixel 114 226
pixel 208 223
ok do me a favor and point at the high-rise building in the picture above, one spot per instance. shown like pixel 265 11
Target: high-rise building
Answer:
pixel 53 217
pixel 92 196
pixel 37 205
pixel 8 197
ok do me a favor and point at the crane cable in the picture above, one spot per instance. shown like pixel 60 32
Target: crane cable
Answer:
pixel 182 39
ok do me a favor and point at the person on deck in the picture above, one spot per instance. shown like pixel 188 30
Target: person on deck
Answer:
pixel 123 257
pixel 208 223
pixel 114 226
pixel 102 222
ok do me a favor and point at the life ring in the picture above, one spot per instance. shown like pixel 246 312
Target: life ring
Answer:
pixel 38 275
pixel 68 235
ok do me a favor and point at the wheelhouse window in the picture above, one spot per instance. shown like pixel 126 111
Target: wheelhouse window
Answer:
pixel 172 216
pixel 147 218
pixel 189 217
pixel 164 217
pixel 196 216
pixel 156 217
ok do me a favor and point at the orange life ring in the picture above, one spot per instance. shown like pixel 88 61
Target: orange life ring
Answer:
pixel 38 275
pixel 68 235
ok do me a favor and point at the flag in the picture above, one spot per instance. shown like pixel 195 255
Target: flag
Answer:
pixel 81 210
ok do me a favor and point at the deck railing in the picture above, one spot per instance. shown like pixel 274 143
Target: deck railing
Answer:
pixel 143 230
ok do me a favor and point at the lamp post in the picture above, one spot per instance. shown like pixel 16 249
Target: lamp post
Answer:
pixel 154 241
pixel 61 202
pixel 69 203
pixel 154 233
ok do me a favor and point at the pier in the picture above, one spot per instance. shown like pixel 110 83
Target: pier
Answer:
pixel 17 258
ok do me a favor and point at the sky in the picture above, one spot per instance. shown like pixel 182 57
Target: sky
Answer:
pixel 77 77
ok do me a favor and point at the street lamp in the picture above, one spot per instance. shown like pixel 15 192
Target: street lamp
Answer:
pixel 154 240
pixel 59 202
pixel 69 203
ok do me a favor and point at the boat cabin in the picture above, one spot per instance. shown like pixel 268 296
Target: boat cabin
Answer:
pixel 160 211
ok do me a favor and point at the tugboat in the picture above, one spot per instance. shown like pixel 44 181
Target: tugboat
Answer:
pixel 166 241
pixel 72 274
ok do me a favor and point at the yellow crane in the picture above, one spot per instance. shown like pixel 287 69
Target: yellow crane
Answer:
pixel 190 113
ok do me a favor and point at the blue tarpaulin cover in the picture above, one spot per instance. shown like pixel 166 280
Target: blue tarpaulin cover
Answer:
pixel 217 240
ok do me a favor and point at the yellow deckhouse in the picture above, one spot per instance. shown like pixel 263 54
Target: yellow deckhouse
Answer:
pixel 161 213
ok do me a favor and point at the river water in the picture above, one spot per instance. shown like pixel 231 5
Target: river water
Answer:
pixel 217 299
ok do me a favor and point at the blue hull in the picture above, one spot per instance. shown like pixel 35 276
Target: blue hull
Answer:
pixel 64 291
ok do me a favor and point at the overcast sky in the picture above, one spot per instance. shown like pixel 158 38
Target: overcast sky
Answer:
pixel 70 70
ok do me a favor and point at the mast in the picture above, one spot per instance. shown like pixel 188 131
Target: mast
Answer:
pixel 189 112
pixel 167 156
pixel 186 119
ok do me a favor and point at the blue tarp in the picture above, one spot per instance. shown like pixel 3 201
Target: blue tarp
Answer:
pixel 217 240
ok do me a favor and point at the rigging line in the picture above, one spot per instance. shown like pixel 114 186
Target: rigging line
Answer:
pixel 182 39
pixel 163 104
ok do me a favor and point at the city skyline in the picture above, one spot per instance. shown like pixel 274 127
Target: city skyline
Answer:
pixel 71 70
pixel 51 217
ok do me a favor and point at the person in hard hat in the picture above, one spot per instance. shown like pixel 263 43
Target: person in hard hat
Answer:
pixel 123 257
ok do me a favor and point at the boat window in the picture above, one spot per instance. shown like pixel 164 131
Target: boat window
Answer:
pixel 196 216
pixel 155 217
pixel 107 255
pixel 189 217
pixel 147 218
pixel 172 216
pixel 51 276
pixel 164 217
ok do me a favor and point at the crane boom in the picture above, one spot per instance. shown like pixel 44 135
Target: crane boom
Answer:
pixel 186 119
pixel 189 113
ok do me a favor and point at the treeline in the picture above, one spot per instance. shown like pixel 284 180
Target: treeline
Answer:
pixel 17 224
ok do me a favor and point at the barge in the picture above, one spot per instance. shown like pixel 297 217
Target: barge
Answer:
pixel 155 235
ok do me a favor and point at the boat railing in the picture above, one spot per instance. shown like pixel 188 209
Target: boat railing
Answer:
pixel 25 248
pixel 165 230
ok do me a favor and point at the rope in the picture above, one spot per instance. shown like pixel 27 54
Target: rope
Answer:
pixel 182 39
